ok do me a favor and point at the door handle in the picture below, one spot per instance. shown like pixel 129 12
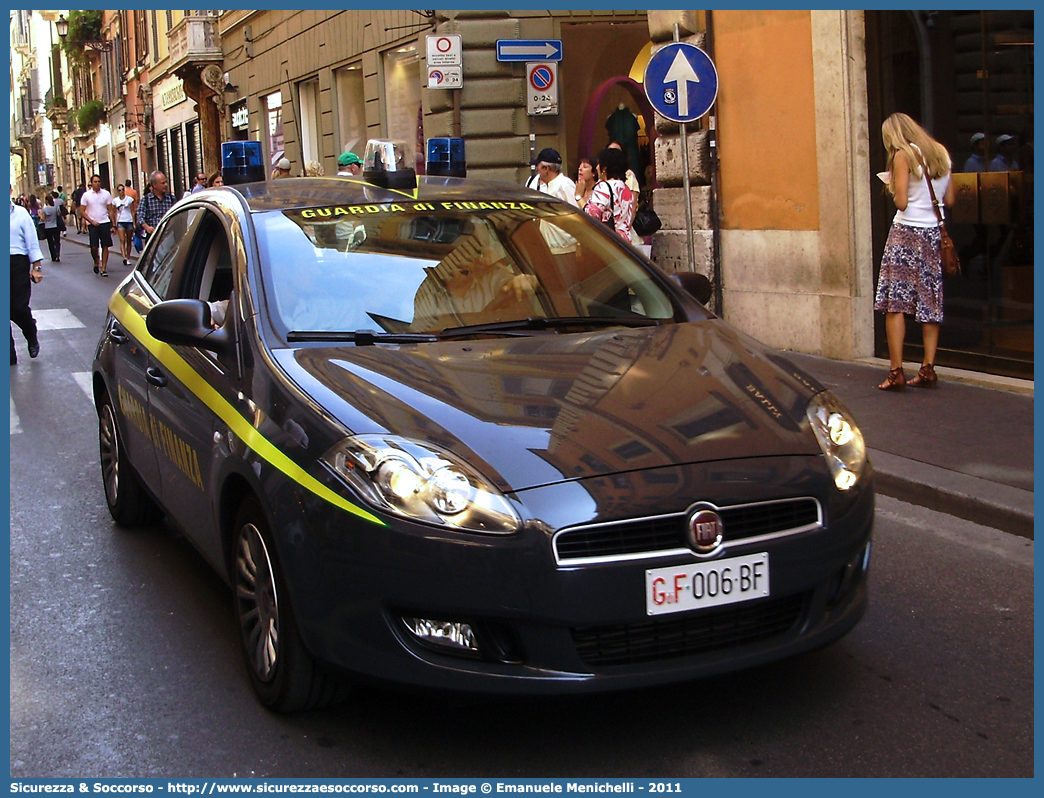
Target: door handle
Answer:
pixel 118 335
pixel 156 377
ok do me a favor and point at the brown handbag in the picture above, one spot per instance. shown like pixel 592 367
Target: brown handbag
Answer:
pixel 951 264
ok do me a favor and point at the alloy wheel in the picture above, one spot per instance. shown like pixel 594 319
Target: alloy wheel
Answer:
pixel 109 445
pixel 257 602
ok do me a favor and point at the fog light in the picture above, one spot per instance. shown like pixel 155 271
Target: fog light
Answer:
pixel 444 634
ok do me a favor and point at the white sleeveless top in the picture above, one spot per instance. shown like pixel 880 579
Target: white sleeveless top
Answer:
pixel 919 211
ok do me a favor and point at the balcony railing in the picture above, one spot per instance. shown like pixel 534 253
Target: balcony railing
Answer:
pixel 194 39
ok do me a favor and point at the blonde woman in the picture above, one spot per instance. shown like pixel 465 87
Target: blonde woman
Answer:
pixel 910 281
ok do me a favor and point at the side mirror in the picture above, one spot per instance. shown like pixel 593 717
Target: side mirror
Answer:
pixel 695 284
pixel 186 322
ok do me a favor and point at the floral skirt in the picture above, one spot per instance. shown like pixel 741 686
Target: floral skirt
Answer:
pixel 911 273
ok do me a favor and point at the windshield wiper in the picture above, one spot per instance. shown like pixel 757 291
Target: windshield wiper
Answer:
pixel 521 326
pixel 361 337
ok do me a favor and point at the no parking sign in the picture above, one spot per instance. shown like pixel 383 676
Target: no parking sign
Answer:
pixel 542 88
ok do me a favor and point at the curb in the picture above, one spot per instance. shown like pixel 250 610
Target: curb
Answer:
pixel 980 379
pixel 971 498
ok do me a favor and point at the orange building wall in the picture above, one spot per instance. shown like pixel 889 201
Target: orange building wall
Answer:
pixel 766 120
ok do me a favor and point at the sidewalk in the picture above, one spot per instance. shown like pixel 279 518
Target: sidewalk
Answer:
pixel 965 449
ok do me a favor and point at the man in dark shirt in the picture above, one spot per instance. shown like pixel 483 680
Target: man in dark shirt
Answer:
pixel 81 225
pixel 156 202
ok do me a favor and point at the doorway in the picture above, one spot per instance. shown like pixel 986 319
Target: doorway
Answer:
pixel 601 76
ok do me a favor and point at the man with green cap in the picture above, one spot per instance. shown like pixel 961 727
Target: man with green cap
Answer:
pixel 349 164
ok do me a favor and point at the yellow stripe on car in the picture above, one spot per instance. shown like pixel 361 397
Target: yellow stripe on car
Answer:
pixel 236 422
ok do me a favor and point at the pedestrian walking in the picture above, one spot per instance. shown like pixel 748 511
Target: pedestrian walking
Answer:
pixel 612 202
pixel 549 178
pixel 216 179
pixel 282 169
pixel 50 217
pixel 201 183
pixel 156 202
pixel 124 221
pixel 132 192
pixel 77 200
pixel 349 165
pixel 25 270
pixel 910 281
pixel 586 177
pixel 34 214
pixel 99 215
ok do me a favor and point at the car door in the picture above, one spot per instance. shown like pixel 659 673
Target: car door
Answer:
pixel 183 394
pixel 132 359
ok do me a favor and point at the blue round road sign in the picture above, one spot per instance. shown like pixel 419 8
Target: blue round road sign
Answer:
pixel 681 82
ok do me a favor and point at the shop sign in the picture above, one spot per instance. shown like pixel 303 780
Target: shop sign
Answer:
pixel 240 117
pixel 172 96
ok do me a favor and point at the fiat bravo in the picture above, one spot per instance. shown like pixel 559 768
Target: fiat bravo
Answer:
pixel 459 435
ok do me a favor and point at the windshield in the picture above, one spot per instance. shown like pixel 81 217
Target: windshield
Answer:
pixel 426 267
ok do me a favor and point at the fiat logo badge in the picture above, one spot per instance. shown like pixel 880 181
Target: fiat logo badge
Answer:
pixel 705 531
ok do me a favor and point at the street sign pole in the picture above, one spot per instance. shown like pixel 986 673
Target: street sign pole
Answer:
pixel 685 176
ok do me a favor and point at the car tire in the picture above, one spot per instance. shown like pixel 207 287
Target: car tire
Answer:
pixel 129 504
pixel 283 673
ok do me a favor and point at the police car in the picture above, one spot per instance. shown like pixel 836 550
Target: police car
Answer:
pixel 456 434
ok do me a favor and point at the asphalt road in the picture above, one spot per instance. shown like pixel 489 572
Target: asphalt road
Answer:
pixel 124 659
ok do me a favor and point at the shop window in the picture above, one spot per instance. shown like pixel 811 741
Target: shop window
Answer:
pixel 402 97
pixel 308 96
pixel 351 109
pixel 273 108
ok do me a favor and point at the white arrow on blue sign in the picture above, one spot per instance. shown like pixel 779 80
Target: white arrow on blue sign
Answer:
pixel 681 82
pixel 529 49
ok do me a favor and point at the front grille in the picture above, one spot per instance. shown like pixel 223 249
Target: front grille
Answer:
pixel 667 532
pixel 685 635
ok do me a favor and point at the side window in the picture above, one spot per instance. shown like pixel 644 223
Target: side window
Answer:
pixel 207 274
pixel 158 270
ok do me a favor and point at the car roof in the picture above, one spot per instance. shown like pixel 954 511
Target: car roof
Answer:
pixel 306 192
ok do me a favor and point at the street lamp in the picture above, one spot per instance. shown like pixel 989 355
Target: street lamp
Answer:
pixel 62 26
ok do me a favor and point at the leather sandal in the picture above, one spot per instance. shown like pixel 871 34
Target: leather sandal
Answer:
pixel 896 381
pixel 925 378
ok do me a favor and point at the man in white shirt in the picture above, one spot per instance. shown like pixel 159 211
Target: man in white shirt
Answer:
pixel 25 250
pixel 97 210
pixel 549 178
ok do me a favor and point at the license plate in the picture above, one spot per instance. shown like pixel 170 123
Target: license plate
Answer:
pixel 706 584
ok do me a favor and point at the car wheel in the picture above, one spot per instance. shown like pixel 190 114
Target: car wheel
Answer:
pixel 283 673
pixel 129 504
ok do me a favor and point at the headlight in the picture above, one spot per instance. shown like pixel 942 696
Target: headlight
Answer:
pixel 839 438
pixel 421 482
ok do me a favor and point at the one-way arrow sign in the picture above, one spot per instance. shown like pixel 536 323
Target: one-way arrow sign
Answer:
pixel 529 49
pixel 681 82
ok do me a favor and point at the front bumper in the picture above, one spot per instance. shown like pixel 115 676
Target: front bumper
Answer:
pixel 547 627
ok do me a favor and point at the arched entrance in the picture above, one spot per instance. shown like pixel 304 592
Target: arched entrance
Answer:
pixel 585 146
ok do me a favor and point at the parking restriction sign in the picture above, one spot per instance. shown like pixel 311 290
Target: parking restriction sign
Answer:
pixel 542 88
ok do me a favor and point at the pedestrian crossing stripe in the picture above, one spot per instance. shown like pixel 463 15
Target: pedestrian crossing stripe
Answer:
pixel 243 429
pixel 56 319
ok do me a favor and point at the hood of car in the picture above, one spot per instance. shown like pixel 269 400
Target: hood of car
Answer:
pixel 540 409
